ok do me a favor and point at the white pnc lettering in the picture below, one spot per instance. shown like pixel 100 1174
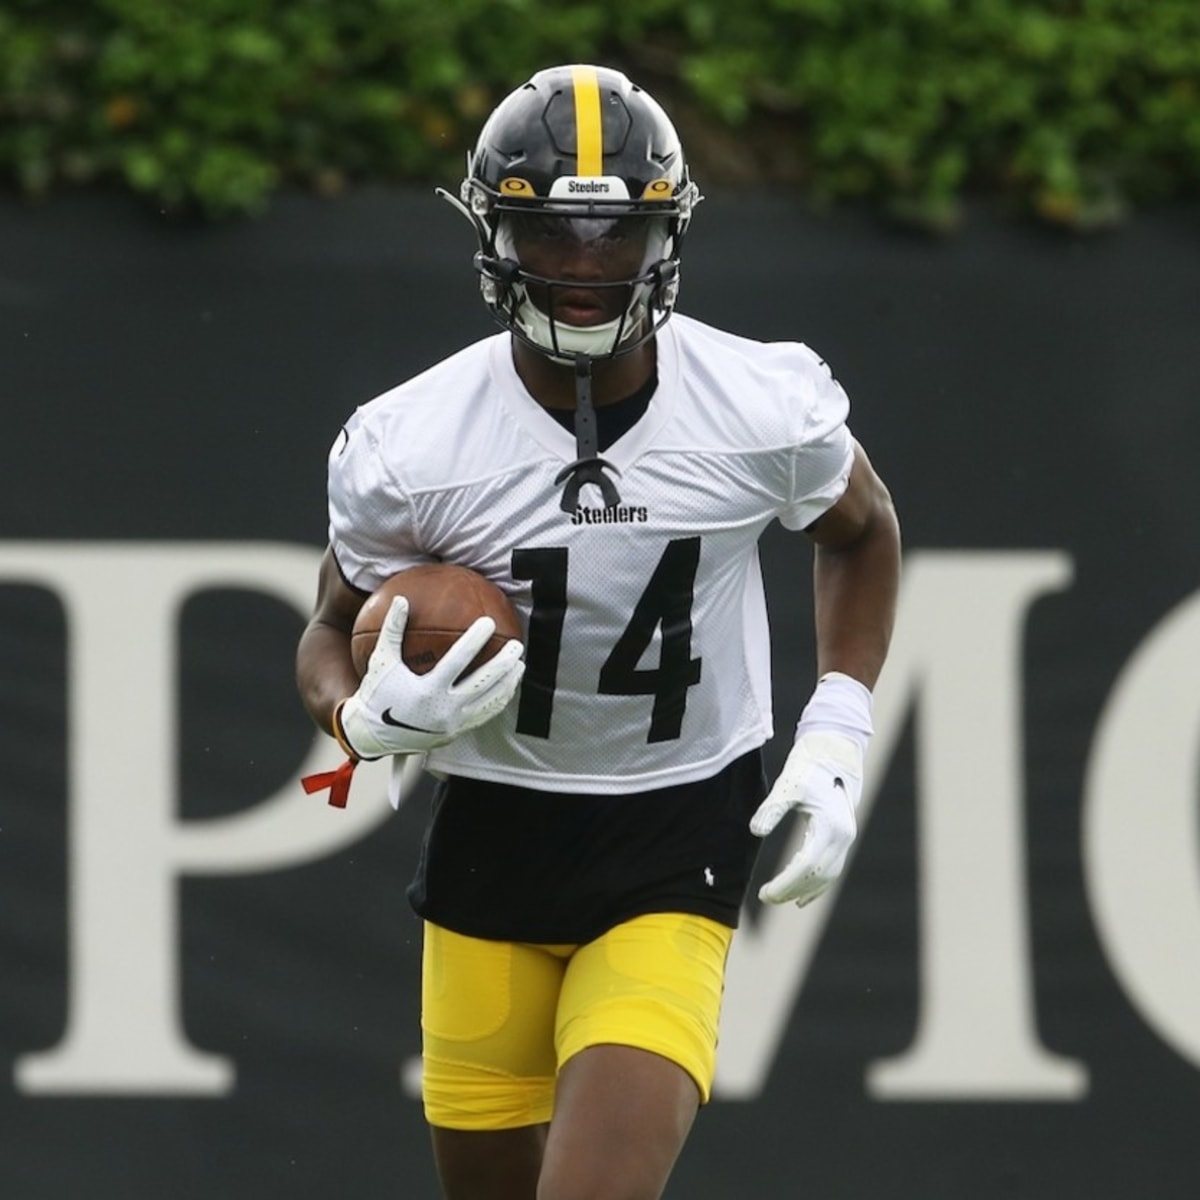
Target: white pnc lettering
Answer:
pixel 956 653
pixel 1141 831
pixel 126 847
pixel 956 658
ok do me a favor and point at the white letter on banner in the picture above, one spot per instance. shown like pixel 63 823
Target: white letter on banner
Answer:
pixel 126 847
pixel 977 1030
pixel 957 653
pixel 1141 832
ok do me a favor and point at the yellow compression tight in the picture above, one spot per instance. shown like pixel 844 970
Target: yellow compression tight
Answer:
pixel 500 1018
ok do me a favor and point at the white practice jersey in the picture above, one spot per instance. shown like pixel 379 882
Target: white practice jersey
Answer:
pixel 647 653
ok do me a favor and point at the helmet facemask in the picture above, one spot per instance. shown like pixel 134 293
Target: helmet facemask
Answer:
pixel 518 283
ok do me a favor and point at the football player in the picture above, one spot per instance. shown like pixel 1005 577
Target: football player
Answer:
pixel 601 792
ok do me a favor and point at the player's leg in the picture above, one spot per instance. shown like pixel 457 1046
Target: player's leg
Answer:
pixel 637 1039
pixel 487 1015
pixel 620 1120
pixel 479 1164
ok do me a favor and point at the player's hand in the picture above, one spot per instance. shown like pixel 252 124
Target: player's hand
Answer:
pixel 396 711
pixel 822 782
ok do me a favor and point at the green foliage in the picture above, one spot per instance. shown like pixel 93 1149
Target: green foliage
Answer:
pixel 1073 109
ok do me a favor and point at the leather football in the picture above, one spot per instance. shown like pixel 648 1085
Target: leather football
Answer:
pixel 443 601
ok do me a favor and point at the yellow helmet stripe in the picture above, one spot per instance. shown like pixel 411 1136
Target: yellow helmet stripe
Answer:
pixel 589 129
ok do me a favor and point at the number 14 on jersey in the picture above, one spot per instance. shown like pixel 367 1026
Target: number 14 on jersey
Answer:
pixel 665 604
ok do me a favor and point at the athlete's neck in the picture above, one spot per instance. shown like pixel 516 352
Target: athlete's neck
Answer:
pixel 552 384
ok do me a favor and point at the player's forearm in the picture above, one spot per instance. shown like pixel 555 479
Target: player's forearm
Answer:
pixel 856 586
pixel 325 673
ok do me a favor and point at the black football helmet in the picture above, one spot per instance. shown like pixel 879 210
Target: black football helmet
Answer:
pixel 580 143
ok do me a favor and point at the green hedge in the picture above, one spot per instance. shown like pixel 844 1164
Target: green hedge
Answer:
pixel 1075 110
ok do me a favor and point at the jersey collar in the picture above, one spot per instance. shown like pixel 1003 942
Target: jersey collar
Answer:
pixel 558 441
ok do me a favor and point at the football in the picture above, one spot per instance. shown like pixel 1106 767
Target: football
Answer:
pixel 443 601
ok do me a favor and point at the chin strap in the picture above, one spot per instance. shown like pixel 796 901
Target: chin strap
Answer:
pixel 589 467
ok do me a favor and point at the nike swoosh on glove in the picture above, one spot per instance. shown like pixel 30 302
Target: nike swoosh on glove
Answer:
pixel 396 711
pixel 821 781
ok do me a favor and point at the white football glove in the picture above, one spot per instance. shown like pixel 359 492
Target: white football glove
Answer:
pixel 396 711
pixel 822 781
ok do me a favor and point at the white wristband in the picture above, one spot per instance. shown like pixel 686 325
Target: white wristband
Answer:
pixel 840 703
